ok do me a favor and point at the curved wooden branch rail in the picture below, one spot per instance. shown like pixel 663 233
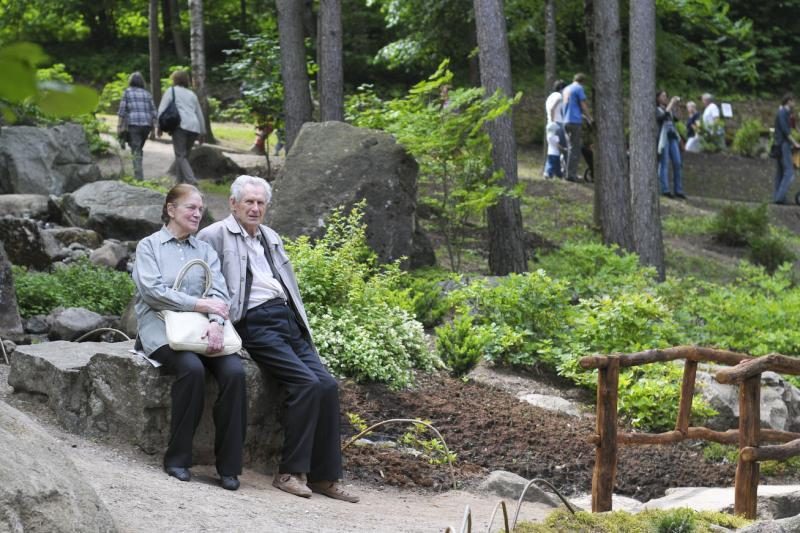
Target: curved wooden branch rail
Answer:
pixel 746 372
pixel 773 362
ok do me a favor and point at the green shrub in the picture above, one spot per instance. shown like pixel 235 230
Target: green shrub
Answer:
pixel 737 225
pixel 79 284
pixel 349 298
pixel 679 520
pixel 112 93
pixel 462 344
pixel 422 292
pixel 770 252
pixel 746 141
pixel 595 269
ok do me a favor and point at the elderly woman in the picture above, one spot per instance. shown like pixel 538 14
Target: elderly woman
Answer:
pixel 192 127
pixel 137 110
pixel 159 258
pixel 669 150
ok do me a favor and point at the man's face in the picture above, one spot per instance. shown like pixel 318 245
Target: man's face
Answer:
pixel 250 210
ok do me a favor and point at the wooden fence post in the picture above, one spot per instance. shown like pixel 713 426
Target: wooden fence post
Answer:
pixel 605 464
pixel 687 394
pixel 747 472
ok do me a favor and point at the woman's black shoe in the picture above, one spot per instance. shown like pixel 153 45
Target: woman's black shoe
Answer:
pixel 229 482
pixel 182 474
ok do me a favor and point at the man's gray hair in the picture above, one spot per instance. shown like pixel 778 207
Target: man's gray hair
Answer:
pixel 238 185
pixel 707 96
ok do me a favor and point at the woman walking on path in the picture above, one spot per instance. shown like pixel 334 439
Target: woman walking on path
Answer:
pixel 192 126
pixel 137 114
pixel 668 147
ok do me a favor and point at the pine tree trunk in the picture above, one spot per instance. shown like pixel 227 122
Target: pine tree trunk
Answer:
pixel 506 242
pixel 155 56
pixel 296 94
pixel 196 41
pixel 588 31
pixel 331 71
pixel 610 161
pixel 166 21
pixel 175 26
pixel 644 191
pixel 550 70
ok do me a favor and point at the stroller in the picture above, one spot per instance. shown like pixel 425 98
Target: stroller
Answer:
pixel 587 151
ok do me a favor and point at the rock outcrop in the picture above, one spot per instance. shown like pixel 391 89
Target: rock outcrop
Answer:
pixel 10 321
pixel 41 489
pixel 780 402
pixel 102 389
pixel 45 160
pixel 114 209
pixel 333 164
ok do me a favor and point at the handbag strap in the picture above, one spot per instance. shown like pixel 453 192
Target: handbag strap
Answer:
pixel 185 269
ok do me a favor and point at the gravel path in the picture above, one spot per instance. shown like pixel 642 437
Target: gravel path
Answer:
pixel 141 498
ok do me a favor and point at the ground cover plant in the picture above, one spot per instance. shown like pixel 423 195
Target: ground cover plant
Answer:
pixel 79 284
pixel 681 520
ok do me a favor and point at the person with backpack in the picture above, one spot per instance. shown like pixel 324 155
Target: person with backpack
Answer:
pixel 190 127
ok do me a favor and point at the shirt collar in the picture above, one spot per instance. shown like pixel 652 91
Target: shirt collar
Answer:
pixel 165 236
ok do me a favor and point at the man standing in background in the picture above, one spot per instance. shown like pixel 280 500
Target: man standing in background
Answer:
pixel 575 108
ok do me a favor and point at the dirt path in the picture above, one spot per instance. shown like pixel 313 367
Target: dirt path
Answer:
pixel 141 498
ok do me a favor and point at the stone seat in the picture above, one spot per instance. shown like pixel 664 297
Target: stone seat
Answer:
pixel 103 390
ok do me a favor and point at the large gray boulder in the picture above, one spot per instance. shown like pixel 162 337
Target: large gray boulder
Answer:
pixel 510 486
pixel 23 242
pixel 101 389
pixel 209 162
pixel 333 164
pixel 41 489
pixel 36 206
pixel 72 322
pixel 57 241
pixel 780 402
pixel 10 321
pixel 114 209
pixel 52 160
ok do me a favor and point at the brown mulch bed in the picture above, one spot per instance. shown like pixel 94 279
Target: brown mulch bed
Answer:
pixel 492 430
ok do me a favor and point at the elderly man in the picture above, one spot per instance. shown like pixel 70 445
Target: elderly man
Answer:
pixel 268 313
pixel 574 109
pixel 782 150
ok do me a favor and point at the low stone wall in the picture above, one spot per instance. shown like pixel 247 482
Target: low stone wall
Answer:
pixel 102 389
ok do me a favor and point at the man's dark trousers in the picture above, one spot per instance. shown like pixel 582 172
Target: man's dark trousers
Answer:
pixel 272 336
pixel 784 174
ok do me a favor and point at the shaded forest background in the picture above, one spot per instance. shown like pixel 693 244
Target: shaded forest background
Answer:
pixel 727 47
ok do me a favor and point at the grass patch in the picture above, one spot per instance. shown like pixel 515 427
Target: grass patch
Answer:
pixel 680 520
pixel 682 264
pixel 559 218
pixel 685 226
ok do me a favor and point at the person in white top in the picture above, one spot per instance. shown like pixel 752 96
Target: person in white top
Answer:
pixel 710 111
pixel 554 148
pixel 192 127
pixel 553 115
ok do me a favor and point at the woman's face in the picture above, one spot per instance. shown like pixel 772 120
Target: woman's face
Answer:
pixel 185 213
pixel 662 98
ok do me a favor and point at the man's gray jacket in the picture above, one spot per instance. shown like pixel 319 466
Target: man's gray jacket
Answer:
pixel 227 238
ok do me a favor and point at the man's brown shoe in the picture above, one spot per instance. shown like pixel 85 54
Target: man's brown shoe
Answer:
pixel 293 484
pixel 333 489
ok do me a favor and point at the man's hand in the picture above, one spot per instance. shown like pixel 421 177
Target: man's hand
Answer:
pixel 212 306
pixel 159 132
pixel 215 337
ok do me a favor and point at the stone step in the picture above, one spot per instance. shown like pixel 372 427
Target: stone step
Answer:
pixel 103 390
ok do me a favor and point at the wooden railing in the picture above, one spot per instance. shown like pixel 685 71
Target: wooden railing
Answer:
pixel 745 371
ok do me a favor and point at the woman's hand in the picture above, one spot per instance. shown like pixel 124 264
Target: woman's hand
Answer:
pixel 215 337
pixel 212 306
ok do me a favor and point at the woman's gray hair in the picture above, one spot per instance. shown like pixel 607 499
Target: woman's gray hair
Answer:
pixel 238 185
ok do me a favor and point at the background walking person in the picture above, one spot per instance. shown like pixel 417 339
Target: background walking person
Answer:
pixel 669 150
pixel 574 110
pixel 192 125
pixel 137 114
pixel 782 150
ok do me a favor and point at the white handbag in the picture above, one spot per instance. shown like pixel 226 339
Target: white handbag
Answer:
pixel 185 329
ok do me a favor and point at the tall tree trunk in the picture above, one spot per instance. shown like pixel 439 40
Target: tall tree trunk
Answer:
pixel 197 46
pixel 175 27
pixel 296 94
pixel 506 242
pixel 550 71
pixel 243 16
pixel 644 192
pixel 610 164
pixel 588 32
pixel 331 72
pixel 155 56
pixel 166 21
